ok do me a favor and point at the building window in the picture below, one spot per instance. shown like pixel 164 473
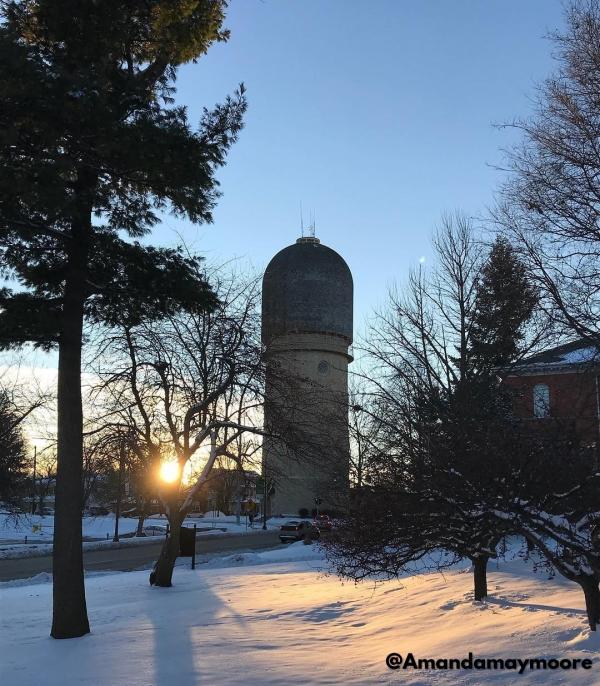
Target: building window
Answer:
pixel 541 400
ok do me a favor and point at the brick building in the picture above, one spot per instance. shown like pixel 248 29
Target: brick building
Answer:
pixel 560 385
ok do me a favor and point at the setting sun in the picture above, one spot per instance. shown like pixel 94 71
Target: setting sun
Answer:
pixel 169 471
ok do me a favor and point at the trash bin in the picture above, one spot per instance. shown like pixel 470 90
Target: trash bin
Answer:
pixel 187 541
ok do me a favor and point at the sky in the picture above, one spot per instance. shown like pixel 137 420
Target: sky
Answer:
pixel 378 116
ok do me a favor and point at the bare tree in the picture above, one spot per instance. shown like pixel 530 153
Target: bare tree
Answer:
pixel 189 387
pixel 550 205
pixel 45 480
pixel 20 401
pixel 438 419
pixel 560 518
pixel 99 456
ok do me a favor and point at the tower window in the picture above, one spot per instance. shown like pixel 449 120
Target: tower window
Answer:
pixel 323 367
pixel 541 400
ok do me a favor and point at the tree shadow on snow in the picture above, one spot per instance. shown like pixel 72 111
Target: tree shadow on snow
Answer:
pixel 533 607
pixel 178 615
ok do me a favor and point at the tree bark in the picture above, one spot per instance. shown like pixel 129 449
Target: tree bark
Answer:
pixel 140 525
pixel 480 576
pixel 592 600
pixel 162 574
pixel 69 618
pixel 140 503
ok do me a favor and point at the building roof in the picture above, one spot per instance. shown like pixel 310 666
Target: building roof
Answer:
pixel 574 356
pixel 307 288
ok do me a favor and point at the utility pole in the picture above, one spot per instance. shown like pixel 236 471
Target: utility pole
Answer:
pixel 119 488
pixel 33 503
pixel 265 495
pixel 238 502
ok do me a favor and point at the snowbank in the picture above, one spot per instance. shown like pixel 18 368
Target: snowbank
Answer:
pixel 46 578
pixel 277 623
pixel 295 552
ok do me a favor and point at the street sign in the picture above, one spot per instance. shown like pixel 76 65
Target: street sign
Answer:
pixel 187 541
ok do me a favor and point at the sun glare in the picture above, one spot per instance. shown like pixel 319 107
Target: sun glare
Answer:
pixel 169 472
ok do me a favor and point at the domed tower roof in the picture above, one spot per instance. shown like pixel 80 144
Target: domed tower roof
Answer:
pixel 307 288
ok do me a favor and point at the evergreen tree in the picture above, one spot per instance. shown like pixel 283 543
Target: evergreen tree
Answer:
pixel 12 449
pixel 92 149
pixel 504 302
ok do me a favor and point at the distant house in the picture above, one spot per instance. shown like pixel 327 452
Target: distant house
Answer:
pixel 229 488
pixel 560 385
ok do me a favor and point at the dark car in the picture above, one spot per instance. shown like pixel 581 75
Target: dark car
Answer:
pixel 298 531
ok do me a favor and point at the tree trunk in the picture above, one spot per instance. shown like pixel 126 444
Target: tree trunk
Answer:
pixel 140 503
pixel 69 618
pixel 592 600
pixel 480 576
pixel 162 574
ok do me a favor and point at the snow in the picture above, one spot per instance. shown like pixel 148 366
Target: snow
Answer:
pixel 39 531
pixel 259 619
pixel 588 354
pixel 292 553
pixel 578 356
pixel 20 551
pixel 38 527
pixel 41 528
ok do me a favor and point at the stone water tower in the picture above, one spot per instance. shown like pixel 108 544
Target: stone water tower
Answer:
pixel 307 332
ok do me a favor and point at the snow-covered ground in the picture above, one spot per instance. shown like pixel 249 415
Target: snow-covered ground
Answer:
pixel 275 618
pixel 13 532
pixel 41 529
pixel 38 528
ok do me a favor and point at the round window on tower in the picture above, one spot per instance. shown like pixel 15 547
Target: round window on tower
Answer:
pixel 323 367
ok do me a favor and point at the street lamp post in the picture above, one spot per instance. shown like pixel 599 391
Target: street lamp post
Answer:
pixel 119 488
pixel 33 503
pixel 265 495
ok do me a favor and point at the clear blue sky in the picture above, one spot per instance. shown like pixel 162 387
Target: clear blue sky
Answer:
pixel 376 114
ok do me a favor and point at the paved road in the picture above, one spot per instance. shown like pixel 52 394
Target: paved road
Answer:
pixel 139 557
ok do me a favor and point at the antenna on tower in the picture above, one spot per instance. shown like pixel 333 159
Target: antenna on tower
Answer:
pixel 301 220
pixel 311 228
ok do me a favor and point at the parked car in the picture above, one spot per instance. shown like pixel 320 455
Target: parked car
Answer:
pixel 323 522
pixel 298 531
pixel 155 530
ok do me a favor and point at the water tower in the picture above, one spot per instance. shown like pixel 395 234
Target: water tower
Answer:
pixel 307 332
